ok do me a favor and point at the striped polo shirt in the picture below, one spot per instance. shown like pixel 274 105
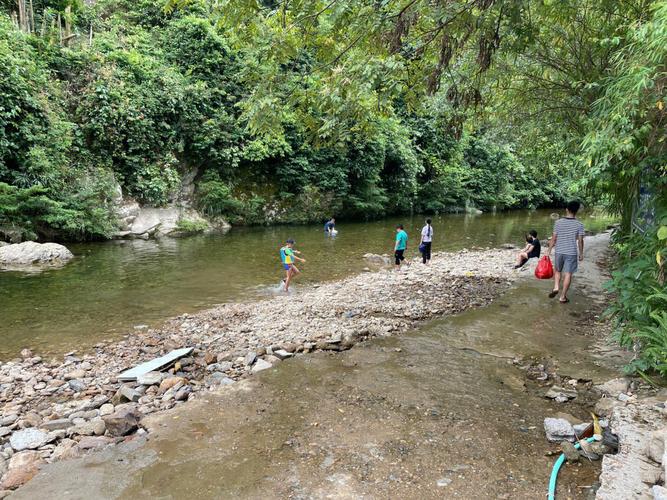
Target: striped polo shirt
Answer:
pixel 567 232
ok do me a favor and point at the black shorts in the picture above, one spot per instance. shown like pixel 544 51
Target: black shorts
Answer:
pixel 398 255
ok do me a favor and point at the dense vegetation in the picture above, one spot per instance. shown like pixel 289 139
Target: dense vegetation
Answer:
pixel 292 110
pixel 153 94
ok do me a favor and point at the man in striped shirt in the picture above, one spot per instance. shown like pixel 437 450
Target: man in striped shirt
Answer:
pixel 568 239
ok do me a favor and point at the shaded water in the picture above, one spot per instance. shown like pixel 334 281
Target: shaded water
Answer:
pixel 111 287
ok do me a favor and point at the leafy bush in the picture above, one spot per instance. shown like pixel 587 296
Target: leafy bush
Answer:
pixel 215 198
pixel 641 296
pixel 156 184
pixel 32 213
pixel 191 226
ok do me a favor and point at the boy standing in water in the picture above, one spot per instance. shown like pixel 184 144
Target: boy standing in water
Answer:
pixel 568 238
pixel 288 256
pixel 400 245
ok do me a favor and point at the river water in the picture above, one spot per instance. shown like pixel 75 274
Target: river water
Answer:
pixel 439 412
pixel 112 287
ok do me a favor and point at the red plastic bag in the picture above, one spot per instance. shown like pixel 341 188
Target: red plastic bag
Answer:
pixel 544 269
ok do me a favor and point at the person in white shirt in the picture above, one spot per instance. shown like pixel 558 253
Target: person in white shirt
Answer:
pixel 425 243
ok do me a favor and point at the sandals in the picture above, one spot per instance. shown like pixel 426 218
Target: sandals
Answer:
pixel 553 293
pixel 564 301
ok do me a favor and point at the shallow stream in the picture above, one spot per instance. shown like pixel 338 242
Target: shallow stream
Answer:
pixel 112 287
pixel 439 412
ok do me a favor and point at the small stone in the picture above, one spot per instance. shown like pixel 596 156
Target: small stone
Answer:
pixel 126 394
pixel 587 450
pixel 290 347
pixel 5 431
pixel 170 382
pixel 75 374
pixel 26 353
pixel 441 483
pixel 282 354
pixel 558 429
pixel 659 492
pixel 250 358
pixel 614 387
pixel 124 420
pixel 218 378
pixel 260 365
pixel 28 439
pixel 95 427
pixel 335 338
pixel 77 385
pixel 210 358
pixel 561 394
pixel 60 423
pixel 150 378
pixel 570 452
pixel 106 409
pixel 93 442
pixel 655 446
pixel 604 406
pixel 183 393
pixel 9 419
pixel 67 448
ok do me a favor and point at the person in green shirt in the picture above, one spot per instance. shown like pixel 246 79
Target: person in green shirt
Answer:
pixel 400 245
pixel 288 256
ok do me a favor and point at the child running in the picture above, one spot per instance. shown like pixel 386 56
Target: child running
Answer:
pixel 288 256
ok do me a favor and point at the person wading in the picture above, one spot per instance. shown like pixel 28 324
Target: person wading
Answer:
pixel 400 245
pixel 425 243
pixel 568 239
pixel 288 256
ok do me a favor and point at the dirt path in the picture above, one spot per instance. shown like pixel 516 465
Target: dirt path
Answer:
pixel 440 412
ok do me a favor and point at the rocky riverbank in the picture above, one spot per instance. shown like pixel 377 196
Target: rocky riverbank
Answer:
pixel 62 408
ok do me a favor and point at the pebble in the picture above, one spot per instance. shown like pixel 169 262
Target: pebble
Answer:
pixel 260 365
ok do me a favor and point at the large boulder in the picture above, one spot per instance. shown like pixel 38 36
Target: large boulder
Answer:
pixel 30 255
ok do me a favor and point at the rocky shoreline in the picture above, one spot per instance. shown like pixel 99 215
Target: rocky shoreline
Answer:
pixel 59 409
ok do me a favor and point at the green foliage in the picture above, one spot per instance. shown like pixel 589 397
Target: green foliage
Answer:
pixel 28 213
pixel 191 226
pixel 215 198
pixel 641 296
